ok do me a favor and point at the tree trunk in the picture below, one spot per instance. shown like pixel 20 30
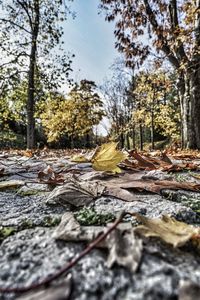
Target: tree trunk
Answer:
pixel 87 144
pixel 127 141
pixel 184 95
pixel 194 140
pixel 133 138
pixel 121 140
pixel 31 81
pixel 189 93
pixel 152 131
pixel 141 137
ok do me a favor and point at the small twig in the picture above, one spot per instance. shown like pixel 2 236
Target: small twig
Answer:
pixel 68 265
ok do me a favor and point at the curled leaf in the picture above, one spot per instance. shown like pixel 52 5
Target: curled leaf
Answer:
pixel 76 193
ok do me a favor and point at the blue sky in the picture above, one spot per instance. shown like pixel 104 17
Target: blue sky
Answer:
pixel 91 39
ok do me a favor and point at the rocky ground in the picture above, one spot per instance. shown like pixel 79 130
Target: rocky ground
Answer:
pixel 29 251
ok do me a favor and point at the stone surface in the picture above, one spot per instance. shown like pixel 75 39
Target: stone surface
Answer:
pixel 26 211
pixel 31 253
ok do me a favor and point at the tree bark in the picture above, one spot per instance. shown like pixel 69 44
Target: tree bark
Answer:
pixel 141 137
pixel 121 140
pixel 152 121
pixel 133 138
pixel 189 93
pixel 31 80
pixel 127 141
pixel 194 140
pixel 152 131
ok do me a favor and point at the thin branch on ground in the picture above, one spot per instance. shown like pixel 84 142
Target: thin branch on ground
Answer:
pixel 68 265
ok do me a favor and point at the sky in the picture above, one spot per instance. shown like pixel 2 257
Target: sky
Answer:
pixel 92 41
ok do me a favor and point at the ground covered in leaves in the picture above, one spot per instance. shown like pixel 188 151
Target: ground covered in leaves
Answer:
pixel 54 203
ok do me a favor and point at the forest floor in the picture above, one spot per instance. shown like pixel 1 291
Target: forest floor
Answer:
pixel 51 208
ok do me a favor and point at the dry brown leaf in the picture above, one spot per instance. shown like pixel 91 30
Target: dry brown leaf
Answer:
pixel 76 193
pixel 167 228
pixel 49 176
pixel 188 290
pixel 2 170
pixel 142 162
pixel 124 248
pixel 70 230
pixel 166 158
pixel 164 164
pixel 179 167
pixel 120 193
pixel 128 165
pixel 158 185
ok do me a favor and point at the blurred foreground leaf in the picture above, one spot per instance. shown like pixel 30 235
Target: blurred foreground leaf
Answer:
pixel 168 229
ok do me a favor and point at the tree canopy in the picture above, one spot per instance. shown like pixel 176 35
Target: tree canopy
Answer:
pixel 173 31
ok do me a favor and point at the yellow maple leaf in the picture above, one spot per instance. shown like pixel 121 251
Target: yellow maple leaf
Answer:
pixel 107 157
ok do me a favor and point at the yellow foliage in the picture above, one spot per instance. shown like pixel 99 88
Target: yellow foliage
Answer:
pixel 75 115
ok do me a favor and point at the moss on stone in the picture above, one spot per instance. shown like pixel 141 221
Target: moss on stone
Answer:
pixel 6 231
pixel 29 193
pixel 87 216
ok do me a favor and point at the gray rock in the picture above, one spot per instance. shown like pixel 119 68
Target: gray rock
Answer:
pixel 32 254
pixel 27 211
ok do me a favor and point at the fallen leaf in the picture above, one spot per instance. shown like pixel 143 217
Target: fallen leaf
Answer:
pixel 49 176
pixel 197 176
pixel 107 157
pixel 11 184
pixel 179 167
pixel 165 158
pixel 2 170
pixel 46 174
pixel 27 153
pixel 84 158
pixel 167 228
pixel 120 193
pixel 76 193
pixel 163 164
pixel 70 230
pixel 142 162
pixel 79 159
pixel 158 185
pixel 128 165
pixel 124 248
pixel 188 290
pixel 97 175
pixel 58 291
